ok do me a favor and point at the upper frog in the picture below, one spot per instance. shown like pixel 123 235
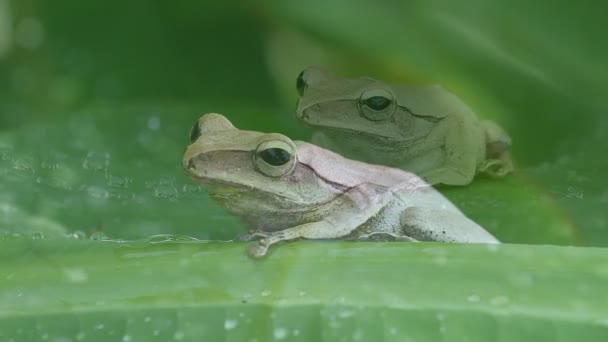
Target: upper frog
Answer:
pixel 420 128
pixel 285 190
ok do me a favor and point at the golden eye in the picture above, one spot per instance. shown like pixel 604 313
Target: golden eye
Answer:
pixel 275 158
pixel 377 104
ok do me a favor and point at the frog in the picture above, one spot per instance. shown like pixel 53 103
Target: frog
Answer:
pixel 286 190
pixel 423 129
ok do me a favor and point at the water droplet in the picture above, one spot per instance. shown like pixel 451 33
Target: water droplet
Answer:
pixel 37 235
pixel 499 300
pixel 295 332
pixel 99 326
pixel 230 324
pixel 165 191
pixel 117 181
pixel 75 275
pixel 97 192
pixel 154 123
pixel 358 334
pixel 246 297
pixel 493 247
pixel 266 293
pixel 473 298
pixel 99 236
pixel 81 335
pixel 302 293
pixel 191 188
pixel 77 234
pixel 440 260
pixel 521 279
pixel 147 319
pixel 392 331
pixel 345 313
pixel 29 33
pixel 96 161
pixel 279 333
pixel 126 338
pixel 179 335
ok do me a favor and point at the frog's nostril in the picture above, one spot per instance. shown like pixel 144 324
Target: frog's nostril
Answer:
pixel 191 165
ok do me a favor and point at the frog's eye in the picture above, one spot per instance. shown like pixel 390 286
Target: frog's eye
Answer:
pixel 274 158
pixel 301 83
pixel 195 132
pixel 377 104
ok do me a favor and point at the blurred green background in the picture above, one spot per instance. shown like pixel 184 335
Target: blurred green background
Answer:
pixel 97 98
pixel 96 102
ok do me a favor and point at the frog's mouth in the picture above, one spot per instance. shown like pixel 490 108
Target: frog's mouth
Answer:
pixel 223 189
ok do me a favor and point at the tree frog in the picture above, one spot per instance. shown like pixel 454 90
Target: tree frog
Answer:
pixel 287 190
pixel 419 128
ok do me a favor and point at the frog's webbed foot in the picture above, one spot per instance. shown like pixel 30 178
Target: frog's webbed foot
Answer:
pixel 384 236
pixel 324 229
pixel 498 167
pixel 259 248
pixel 447 176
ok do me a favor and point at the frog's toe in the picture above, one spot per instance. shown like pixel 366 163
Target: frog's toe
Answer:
pixel 257 250
pixel 252 235
pixel 496 168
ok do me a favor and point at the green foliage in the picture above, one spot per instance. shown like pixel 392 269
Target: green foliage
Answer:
pixel 94 119
pixel 154 290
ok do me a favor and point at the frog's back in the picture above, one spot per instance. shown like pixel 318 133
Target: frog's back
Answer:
pixel 336 168
pixel 432 101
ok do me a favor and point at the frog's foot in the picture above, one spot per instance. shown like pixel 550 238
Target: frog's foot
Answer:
pixel 496 168
pixel 259 248
pixel 384 236
pixel 447 175
pixel 252 235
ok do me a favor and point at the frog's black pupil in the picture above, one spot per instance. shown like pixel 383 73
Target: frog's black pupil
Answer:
pixel 275 156
pixel 301 84
pixel 195 132
pixel 377 103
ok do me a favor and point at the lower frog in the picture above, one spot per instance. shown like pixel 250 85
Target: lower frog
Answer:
pixel 287 190
pixel 419 128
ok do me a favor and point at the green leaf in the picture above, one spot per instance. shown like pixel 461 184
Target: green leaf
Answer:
pixel 143 291
pixel 515 62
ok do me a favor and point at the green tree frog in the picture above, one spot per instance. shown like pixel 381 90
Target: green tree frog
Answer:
pixel 419 128
pixel 287 190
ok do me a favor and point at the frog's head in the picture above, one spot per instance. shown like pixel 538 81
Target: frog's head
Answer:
pixel 247 170
pixel 361 106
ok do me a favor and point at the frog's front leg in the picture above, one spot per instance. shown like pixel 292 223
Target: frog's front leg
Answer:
pixel 425 224
pixel 498 162
pixel 351 209
pixel 463 146
pixel 324 229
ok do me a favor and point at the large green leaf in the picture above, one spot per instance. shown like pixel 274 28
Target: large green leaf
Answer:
pixel 93 122
pixel 143 291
